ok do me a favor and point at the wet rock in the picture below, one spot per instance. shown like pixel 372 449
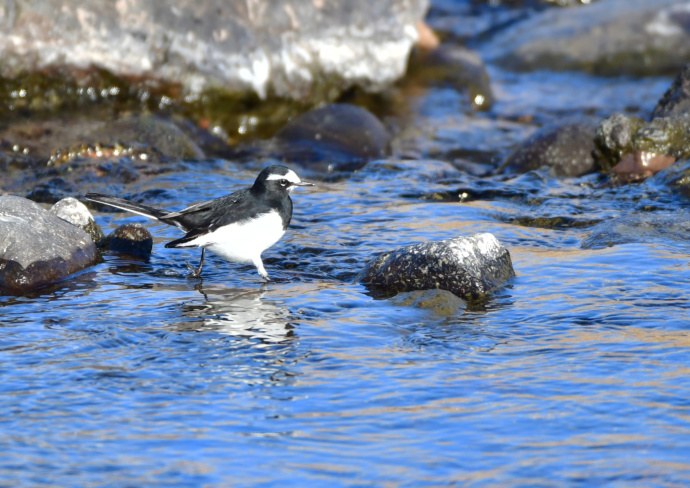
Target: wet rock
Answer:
pixel 73 211
pixel 457 66
pixel 50 189
pixel 566 148
pixel 619 135
pixel 641 228
pixel 65 157
pixel 55 140
pixel 133 239
pixel 676 101
pixel 37 247
pixel 159 135
pixel 614 37
pixel 469 267
pixel 297 49
pixel 334 138
pixel 615 137
pixel 441 303
pixel 150 139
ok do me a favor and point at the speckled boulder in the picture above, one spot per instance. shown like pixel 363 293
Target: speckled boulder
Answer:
pixel 470 267
pixel 566 148
pixel 73 211
pixel 134 239
pixel 37 247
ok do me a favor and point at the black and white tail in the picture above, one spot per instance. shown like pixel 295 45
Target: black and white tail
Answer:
pixel 137 208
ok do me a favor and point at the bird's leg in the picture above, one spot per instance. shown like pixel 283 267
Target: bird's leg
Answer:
pixel 196 272
pixel 260 268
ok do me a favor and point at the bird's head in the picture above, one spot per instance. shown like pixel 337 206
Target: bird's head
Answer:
pixel 279 179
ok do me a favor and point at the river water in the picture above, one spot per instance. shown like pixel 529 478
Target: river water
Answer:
pixel 575 374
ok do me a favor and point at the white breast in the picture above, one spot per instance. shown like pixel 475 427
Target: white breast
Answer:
pixel 244 242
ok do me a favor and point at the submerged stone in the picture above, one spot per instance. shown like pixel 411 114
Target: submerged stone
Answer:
pixel 133 239
pixel 37 247
pixel 662 230
pixel 566 148
pixel 441 303
pixel 675 176
pixel 469 267
pixel 73 211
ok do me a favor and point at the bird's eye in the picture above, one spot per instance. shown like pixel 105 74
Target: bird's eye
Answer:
pixel 283 182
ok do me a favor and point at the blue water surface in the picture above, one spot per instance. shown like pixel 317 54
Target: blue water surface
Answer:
pixel 574 374
pixel 130 374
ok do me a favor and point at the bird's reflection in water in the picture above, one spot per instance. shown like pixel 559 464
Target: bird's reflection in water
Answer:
pixel 240 312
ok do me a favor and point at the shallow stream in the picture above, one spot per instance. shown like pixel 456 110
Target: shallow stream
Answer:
pixel 131 374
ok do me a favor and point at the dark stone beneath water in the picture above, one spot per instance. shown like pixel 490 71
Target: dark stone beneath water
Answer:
pixel 676 176
pixel 667 230
pixel 133 239
pixel 37 247
pixel 441 303
pixel 470 267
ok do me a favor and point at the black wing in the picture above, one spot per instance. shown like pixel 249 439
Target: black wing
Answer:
pixel 202 216
pixel 205 217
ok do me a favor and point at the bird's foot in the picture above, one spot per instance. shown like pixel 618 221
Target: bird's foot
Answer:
pixel 195 272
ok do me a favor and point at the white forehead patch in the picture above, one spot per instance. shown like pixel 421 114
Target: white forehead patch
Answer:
pixel 291 176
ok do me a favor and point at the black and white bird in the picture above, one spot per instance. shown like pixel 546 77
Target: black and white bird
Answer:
pixel 237 227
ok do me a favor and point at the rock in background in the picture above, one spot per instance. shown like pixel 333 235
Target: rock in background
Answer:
pixel 294 49
pixel 630 146
pixel 37 247
pixel 567 148
pixel 613 37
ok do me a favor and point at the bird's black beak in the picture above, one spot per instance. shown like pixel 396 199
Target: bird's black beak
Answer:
pixel 303 183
